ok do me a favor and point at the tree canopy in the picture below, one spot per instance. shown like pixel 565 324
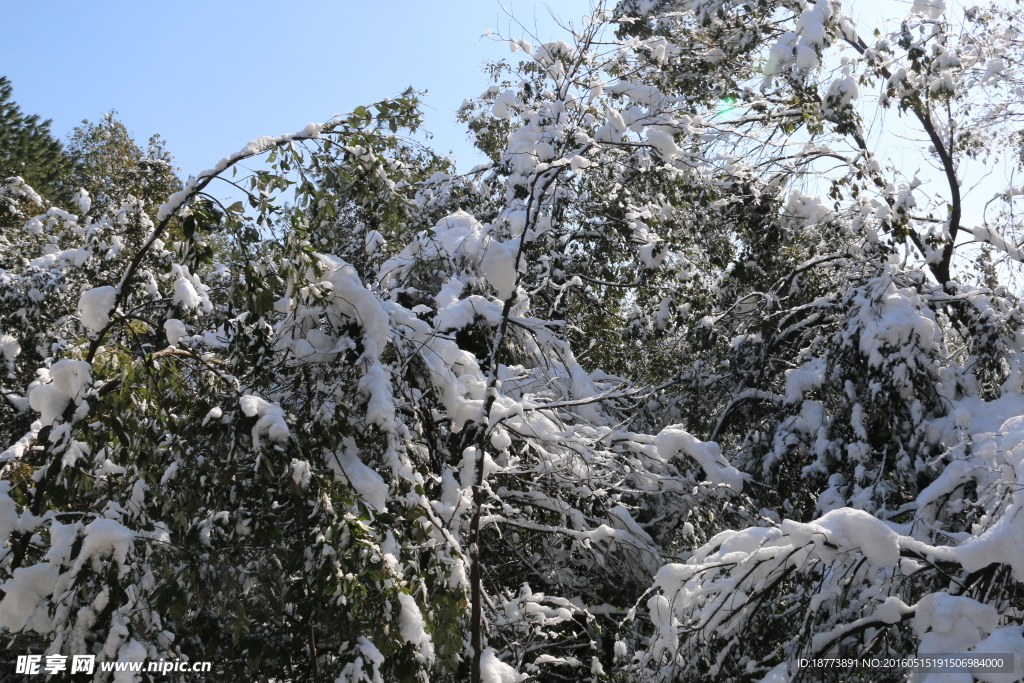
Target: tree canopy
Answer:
pixel 699 376
pixel 109 165
pixel 27 149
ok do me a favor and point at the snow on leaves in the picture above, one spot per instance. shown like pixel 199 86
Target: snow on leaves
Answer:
pixel 622 401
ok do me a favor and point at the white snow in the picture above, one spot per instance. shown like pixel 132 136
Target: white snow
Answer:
pixel 70 379
pixel 24 600
pixel 132 651
pixel 779 674
pixel 94 307
pixel 1003 641
pixel 799 381
pixel 498 266
pixel 411 626
pixel 175 330
pixel 312 130
pixel 664 143
pixel 353 300
pixel 365 481
pixel 952 623
pixel 493 670
pixel 896 319
pixel 850 529
pixel 373 242
pixel 9 347
pixel 271 419
pixel 102 538
pixel 82 201
pixel 186 292
pixel 708 454
pixel 8 513
pixel 301 473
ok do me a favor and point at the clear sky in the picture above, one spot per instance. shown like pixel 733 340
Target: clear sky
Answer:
pixel 210 76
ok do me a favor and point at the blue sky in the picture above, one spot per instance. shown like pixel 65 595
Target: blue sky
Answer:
pixel 210 76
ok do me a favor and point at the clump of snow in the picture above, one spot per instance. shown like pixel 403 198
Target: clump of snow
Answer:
pixel 353 300
pixel 77 450
pixel 841 92
pixel 800 48
pixel 891 611
pixel 468 470
pixel 82 201
pixel 175 330
pixel 500 438
pixel 366 482
pixel 897 319
pixel 498 267
pixel 458 236
pixel 504 105
pixel 62 539
pixel 71 377
pixel 102 538
pixel 653 252
pixel 780 674
pixel 301 474
pixel 271 419
pixel 57 257
pixel 69 380
pixel 849 528
pixel 1003 641
pixel 578 163
pixel 353 672
pixel 189 292
pixel 411 627
pixel 810 375
pixel 664 143
pixel 493 670
pixel 952 623
pixel 708 454
pixel 9 347
pixel 25 594
pixel 312 130
pixel 373 242
pixel 94 307
pixel 994 67
pixel 375 384
pixel 781 54
pixel 132 651
pixel 17 186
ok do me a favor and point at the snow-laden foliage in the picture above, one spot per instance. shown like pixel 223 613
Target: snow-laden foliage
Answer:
pixel 687 383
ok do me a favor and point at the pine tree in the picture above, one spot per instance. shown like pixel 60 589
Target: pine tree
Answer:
pixel 27 149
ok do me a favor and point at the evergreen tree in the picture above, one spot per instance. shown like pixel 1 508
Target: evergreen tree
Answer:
pixel 27 149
